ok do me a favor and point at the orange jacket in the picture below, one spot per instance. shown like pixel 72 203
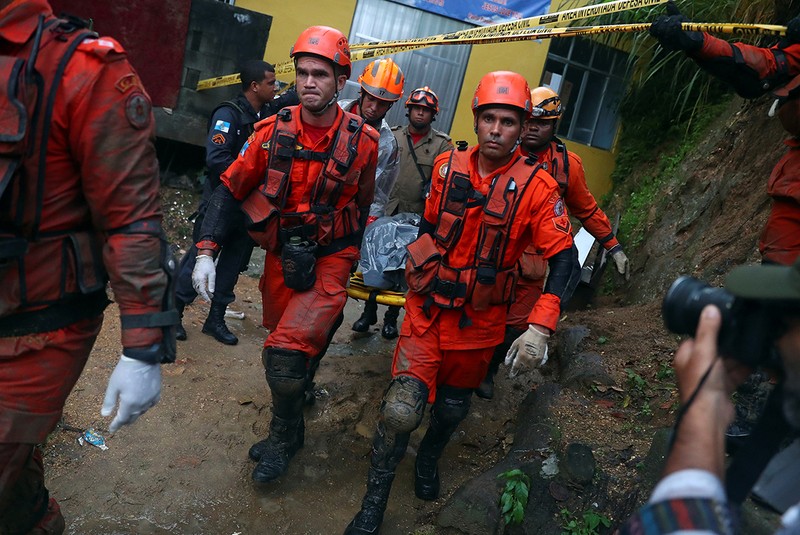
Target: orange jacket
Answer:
pixel 580 201
pixel 540 219
pixel 100 193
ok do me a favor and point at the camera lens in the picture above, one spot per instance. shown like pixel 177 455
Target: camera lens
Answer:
pixel 685 301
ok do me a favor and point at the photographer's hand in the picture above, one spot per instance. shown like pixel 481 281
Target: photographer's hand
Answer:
pixel 700 437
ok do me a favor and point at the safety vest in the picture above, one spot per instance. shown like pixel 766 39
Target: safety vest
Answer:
pixel 487 280
pixel 330 226
pixel 31 78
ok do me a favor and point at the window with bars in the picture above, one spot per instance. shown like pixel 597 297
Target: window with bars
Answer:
pixel 590 78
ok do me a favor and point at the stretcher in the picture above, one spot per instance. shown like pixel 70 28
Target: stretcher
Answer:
pixel 358 290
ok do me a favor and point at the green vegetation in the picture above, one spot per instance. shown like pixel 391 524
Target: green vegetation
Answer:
pixel 515 496
pixel 669 106
pixel 589 523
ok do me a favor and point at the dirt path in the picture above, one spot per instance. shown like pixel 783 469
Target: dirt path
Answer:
pixel 183 467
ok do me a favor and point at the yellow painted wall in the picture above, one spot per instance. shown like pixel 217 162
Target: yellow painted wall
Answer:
pixel 291 17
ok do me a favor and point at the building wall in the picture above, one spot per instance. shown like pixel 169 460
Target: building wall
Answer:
pixel 528 58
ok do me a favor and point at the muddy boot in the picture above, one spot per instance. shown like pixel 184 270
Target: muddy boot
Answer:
pixel 274 453
pixel 215 325
pixel 388 448
pixel 486 388
pixel 180 332
pixel 368 520
pixel 389 330
pixel 286 375
pixel 449 409
pixel 368 318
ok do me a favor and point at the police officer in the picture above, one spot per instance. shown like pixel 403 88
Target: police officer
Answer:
pixel 231 124
pixel 81 210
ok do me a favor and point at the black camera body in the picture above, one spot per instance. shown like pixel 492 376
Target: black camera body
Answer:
pixel 749 326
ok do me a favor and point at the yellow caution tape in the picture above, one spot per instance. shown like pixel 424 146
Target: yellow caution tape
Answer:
pixel 219 81
pixel 499 33
pixel 570 15
pixel 358 290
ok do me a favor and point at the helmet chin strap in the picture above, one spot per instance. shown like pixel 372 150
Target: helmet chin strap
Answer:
pixel 330 103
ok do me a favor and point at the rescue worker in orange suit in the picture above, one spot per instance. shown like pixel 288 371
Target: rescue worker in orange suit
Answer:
pixel 231 124
pixel 753 71
pixel 81 208
pixel 305 181
pixel 486 205
pixel 539 141
pixel 419 145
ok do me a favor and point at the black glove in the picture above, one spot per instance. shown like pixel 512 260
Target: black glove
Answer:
pixel 793 31
pixel 667 29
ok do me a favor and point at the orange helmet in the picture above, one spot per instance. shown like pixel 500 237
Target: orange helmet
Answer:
pixel 424 96
pixel 325 42
pixel 504 88
pixel 546 103
pixel 383 79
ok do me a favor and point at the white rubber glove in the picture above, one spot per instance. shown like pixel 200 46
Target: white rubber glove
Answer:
pixel 623 266
pixel 527 351
pixel 204 276
pixel 137 385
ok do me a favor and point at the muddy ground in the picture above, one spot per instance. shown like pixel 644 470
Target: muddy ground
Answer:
pixel 183 467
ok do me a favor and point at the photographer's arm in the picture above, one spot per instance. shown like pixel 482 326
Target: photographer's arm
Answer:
pixel 695 466
pixel 700 436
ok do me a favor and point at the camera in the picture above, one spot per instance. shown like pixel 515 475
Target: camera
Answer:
pixel 749 326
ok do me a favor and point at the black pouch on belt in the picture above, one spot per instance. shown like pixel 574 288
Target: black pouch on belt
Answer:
pixel 299 262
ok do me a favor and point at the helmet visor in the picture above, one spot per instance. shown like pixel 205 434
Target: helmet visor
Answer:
pixel 422 98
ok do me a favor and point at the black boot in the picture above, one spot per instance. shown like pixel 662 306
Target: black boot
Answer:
pixel 368 318
pixel 449 409
pixel 388 449
pixel 368 520
pixel 273 454
pixel 389 330
pixel 286 374
pixel 180 332
pixel 215 325
pixel 486 388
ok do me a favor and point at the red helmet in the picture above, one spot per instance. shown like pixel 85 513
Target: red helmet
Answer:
pixel 546 103
pixel 325 42
pixel 424 96
pixel 383 79
pixel 504 88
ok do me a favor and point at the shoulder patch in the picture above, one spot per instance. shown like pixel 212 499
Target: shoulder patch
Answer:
pixel 562 224
pixel 218 139
pixel 127 82
pixel 558 208
pixel 443 170
pixel 222 126
pixel 137 110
